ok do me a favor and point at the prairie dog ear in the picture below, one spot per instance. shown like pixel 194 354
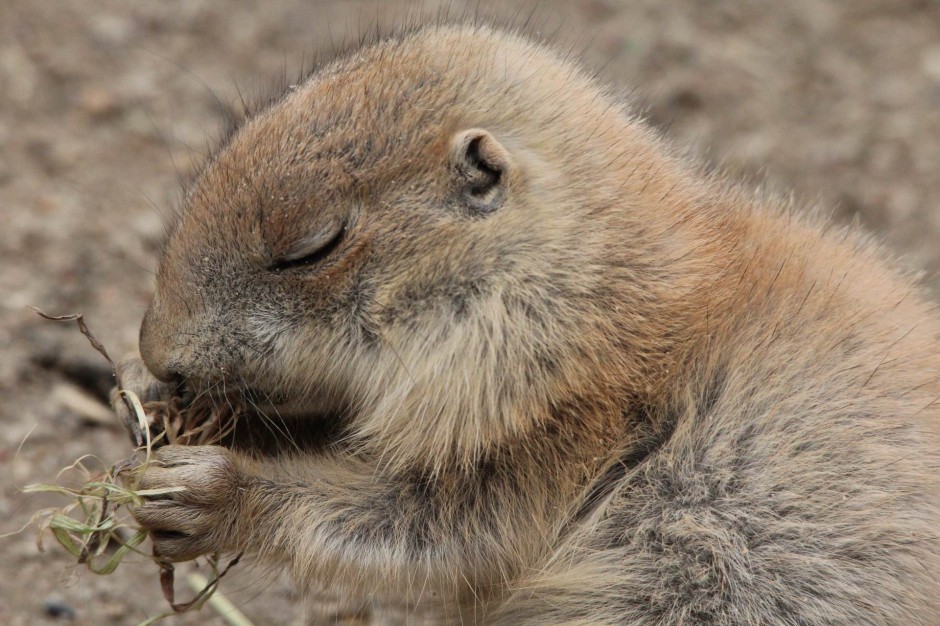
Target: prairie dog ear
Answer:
pixel 482 165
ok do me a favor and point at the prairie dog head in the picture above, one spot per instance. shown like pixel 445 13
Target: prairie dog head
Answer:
pixel 418 235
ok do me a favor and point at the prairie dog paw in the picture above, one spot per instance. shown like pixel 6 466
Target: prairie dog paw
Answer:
pixel 137 378
pixel 200 518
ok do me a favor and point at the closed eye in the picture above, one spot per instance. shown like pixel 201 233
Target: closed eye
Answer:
pixel 309 257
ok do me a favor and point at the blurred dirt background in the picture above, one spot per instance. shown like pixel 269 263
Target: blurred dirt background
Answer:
pixel 101 102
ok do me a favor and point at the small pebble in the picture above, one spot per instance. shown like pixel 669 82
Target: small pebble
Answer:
pixel 58 609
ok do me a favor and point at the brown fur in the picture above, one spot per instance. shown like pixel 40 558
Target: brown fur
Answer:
pixel 610 389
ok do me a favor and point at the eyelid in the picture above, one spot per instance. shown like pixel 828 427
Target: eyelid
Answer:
pixel 313 242
pixel 312 249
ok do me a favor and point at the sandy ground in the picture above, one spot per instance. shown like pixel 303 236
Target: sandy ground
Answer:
pixel 101 102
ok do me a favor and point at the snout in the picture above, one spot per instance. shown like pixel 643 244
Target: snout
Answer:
pixel 205 348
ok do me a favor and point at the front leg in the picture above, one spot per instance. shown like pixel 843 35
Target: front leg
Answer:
pixel 343 523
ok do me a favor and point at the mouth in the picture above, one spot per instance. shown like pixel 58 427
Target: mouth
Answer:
pixel 262 424
pixel 267 435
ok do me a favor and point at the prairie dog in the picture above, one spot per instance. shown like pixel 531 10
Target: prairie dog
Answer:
pixel 558 373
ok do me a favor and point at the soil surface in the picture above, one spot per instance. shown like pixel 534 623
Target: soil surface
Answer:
pixel 104 104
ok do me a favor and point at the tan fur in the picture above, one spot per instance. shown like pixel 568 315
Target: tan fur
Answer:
pixel 614 390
